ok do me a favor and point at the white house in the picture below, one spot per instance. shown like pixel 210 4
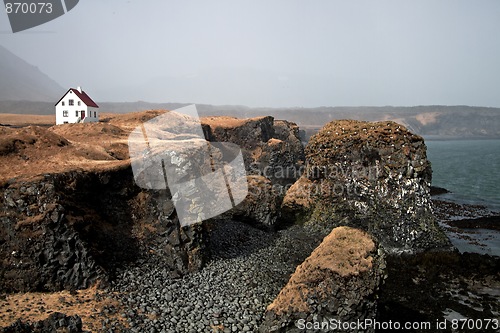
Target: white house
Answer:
pixel 76 107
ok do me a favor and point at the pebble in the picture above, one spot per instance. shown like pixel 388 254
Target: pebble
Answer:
pixel 248 268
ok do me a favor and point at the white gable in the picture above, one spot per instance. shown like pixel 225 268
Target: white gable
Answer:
pixel 72 109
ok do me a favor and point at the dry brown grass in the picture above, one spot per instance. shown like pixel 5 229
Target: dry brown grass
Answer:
pixel 129 121
pixel 223 121
pixel 226 121
pixel 28 150
pixel 344 252
pixel 27 119
pixel 88 304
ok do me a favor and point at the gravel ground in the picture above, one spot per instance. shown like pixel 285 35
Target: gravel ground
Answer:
pixel 247 270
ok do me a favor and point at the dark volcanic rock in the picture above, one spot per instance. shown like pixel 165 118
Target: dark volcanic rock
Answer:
pixel 336 283
pixel 40 248
pixel 283 155
pixel 273 155
pixel 56 322
pixel 436 190
pixel 428 287
pixel 181 249
pixel 261 207
pixel 271 148
pixel 373 176
pixel 247 133
pixel 64 231
pixel 483 222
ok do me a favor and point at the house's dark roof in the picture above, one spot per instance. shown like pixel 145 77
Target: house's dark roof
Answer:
pixel 83 96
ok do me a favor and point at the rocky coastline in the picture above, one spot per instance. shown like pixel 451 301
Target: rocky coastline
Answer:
pixel 355 182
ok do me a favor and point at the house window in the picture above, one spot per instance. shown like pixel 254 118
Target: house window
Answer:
pixel 95 114
pixel 65 113
pixel 71 102
pixel 76 113
pixel 62 103
pixel 79 103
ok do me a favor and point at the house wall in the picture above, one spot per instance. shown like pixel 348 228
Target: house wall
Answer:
pixel 89 115
pixel 72 116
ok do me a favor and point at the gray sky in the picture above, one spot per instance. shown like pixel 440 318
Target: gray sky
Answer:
pixel 272 53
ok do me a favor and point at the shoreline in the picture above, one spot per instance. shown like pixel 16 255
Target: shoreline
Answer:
pixel 248 268
pixel 470 228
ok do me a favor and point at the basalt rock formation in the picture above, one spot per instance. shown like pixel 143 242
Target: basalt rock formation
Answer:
pixel 77 224
pixel 336 284
pixel 372 176
pixel 271 148
pixel 68 228
pixel 273 155
pixel 261 206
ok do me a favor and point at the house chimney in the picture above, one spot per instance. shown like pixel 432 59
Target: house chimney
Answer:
pixel 79 89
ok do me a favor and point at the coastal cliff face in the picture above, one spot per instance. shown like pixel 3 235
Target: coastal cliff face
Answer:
pixel 78 224
pixel 65 231
pixel 72 214
pixel 373 176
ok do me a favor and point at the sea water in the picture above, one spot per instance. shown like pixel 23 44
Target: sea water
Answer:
pixel 470 169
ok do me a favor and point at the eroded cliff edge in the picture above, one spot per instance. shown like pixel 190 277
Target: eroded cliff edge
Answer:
pixel 72 213
pixel 372 176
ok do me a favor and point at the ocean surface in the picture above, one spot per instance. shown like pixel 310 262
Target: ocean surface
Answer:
pixel 470 169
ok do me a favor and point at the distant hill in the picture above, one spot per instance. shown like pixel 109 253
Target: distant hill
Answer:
pixel 23 81
pixel 432 121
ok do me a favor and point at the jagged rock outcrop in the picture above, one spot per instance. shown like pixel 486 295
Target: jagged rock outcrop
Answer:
pixel 262 204
pixel 181 249
pixel 66 230
pixel 373 176
pixel 283 156
pixel 40 248
pixel 273 156
pixel 271 148
pixel 247 133
pixel 336 284
pixel 69 228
